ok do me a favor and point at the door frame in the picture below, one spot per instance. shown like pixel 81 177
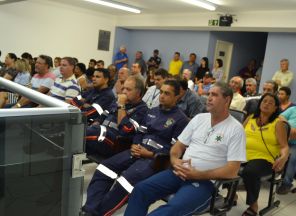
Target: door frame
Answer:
pixel 227 63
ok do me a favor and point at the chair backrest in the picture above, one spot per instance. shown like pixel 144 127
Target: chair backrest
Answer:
pixel 238 115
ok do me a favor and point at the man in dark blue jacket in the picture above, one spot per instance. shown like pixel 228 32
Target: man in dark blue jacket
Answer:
pixel 102 139
pixel 162 125
pixel 95 101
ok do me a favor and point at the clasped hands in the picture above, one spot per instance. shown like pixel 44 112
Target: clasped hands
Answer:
pixel 184 169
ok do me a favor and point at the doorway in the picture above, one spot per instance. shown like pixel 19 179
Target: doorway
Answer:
pixel 224 52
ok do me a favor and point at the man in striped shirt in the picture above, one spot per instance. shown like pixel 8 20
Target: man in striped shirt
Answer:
pixel 65 86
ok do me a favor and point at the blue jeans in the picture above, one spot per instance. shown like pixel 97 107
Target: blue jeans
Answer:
pixel 291 169
pixel 190 196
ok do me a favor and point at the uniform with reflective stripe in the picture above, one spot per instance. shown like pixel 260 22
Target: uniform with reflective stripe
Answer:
pixel 103 196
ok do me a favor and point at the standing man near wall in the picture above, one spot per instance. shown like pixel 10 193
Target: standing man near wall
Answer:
pixel 191 65
pixel 154 60
pixel 175 65
pixel 121 58
pixel 283 77
pixel 139 59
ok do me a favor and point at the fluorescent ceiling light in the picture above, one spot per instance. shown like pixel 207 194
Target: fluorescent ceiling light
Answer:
pixel 115 5
pixel 217 2
pixel 202 4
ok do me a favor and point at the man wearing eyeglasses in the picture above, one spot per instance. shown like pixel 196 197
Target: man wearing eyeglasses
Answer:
pixel 213 145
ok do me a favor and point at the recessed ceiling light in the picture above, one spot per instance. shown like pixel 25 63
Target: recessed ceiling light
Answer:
pixel 115 5
pixel 200 3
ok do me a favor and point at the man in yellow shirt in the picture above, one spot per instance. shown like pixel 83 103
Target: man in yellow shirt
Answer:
pixel 175 65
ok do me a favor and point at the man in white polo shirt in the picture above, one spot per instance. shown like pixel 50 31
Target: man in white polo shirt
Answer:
pixel 213 145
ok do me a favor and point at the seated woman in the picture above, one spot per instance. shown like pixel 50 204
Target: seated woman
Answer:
pixel 267 148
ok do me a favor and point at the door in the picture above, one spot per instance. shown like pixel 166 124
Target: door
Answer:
pixel 224 51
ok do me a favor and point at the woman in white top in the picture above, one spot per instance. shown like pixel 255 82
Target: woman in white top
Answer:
pixel 217 70
pixel 79 72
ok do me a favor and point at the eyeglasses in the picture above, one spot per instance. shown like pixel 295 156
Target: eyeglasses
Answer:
pixel 210 131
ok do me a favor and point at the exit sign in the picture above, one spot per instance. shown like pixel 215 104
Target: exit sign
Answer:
pixel 213 22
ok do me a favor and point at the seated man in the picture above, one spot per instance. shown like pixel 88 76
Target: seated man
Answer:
pixel 213 145
pixel 205 85
pixel 252 102
pixel 130 113
pixel 238 101
pixel 95 101
pixel 42 81
pixel 164 124
pixel 188 101
pixel 284 94
pixel 123 74
pixel 186 75
pixel 251 87
pixel 290 116
pixel 65 87
pixel 151 97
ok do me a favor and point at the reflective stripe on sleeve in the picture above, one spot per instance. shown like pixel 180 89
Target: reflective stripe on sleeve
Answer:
pixel 98 108
pixel 125 184
pixel 106 171
pixel 102 133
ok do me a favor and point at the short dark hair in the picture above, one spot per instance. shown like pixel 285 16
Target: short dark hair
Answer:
pixel 162 72
pixel 93 60
pixel 175 84
pixel 183 84
pixel 104 71
pixel 81 66
pixel 89 72
pixel 100 62
pixel 27 55
pixel 156 51
pixel 47 59
pixel 70 60
pixel 286 89
pixel 177 53
pixel 275 85
pixel 220 62
pixel 277 104
pixel 12 56
pixel 193 54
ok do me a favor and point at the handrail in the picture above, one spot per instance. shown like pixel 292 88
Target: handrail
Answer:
pixel 34 96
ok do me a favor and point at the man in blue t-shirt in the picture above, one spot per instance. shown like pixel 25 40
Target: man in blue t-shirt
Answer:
pixel 121 58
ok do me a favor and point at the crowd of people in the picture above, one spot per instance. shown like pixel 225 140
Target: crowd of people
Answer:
pixel 134 115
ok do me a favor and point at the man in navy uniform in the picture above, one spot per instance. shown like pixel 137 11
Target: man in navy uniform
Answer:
pixel 163 124
pixel 101 138
pixel 95 101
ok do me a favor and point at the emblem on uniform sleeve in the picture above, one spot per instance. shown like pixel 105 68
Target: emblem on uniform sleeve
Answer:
pixel 169 122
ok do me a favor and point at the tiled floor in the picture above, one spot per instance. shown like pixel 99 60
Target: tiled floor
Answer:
pixel 286 208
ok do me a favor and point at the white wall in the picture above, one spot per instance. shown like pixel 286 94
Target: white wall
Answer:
pixel 42 27
pixel 265 21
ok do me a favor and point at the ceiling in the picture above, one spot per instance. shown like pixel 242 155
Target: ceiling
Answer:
pixel 158 7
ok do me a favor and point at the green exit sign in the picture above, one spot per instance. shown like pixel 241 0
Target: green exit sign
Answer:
pixel 213 22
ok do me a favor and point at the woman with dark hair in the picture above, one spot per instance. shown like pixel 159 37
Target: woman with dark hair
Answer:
pixel 79 72
pixel 266 145
pixel 10 59
pixel 217 70
pixel 202 69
